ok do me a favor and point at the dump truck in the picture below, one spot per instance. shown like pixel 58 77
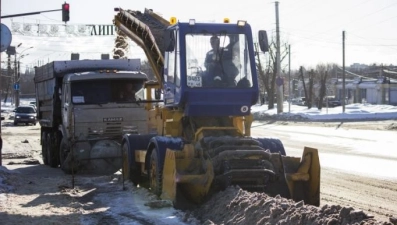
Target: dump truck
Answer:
pixel 83 112
pixel 200 140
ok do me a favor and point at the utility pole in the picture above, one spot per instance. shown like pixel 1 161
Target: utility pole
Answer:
pixel 289 78
pixel 343 76
pixel 9 74
pixel 14 91
pixel 1 94
pixel 17 84
pixel 279 80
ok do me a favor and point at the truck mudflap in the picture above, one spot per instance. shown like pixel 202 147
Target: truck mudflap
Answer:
pixel 250 167
pixel 102 158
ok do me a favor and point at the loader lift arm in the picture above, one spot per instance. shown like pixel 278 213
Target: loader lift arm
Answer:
pixel 127 20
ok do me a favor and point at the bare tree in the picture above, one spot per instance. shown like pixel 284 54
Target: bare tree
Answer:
pixel 147 69
pixel 267 74
pixel 322 73
pixel 307 90
pixel 310 93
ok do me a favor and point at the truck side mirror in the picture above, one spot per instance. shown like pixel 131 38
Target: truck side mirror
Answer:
pixel 263 43
pixel 169 40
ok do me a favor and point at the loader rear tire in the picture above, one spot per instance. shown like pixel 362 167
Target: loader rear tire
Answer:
pixel 155 174
pixel 134 174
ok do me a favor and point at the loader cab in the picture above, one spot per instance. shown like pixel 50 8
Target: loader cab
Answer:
pixel 209 69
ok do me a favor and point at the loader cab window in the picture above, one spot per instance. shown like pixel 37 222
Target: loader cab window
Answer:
pixel 218 60
pixel 172 63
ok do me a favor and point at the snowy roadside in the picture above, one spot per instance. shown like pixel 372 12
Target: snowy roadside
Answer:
pixel 352 113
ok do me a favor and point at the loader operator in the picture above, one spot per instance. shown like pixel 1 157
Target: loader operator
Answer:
pixel 220 69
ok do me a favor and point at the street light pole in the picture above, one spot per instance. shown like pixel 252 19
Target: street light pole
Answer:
pixel 18 75
pixel 14 96
pixel 14 77
pixel 17 83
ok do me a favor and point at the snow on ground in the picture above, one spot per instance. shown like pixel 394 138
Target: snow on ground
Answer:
pixel 352 111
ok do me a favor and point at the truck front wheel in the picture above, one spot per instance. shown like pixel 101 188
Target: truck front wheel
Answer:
pixel 64 152
pixel 134 174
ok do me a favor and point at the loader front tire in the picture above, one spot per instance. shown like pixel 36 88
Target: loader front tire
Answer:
pixel 155 174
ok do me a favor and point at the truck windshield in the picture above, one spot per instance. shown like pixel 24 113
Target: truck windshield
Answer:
pixel 218 60
pixel 105 91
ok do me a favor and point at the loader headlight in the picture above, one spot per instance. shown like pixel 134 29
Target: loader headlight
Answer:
pixel 241 23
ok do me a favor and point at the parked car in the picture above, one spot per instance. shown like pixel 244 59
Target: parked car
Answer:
pixel 25 114
pixel 299 101
pixel 332 102
pixel 33 104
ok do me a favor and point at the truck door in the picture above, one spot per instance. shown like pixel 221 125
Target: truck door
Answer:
pixel 66 110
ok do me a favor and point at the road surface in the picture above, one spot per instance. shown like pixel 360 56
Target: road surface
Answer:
pixel 358 166
pixel 357 169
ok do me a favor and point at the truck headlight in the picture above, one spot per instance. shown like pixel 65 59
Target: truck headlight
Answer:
pixel 17 117
pixel 95 130
pixel 129 129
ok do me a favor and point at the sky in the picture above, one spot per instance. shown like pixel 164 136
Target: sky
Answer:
pixel 312 28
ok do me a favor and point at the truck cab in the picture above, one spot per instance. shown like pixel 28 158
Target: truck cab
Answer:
pixel 84 107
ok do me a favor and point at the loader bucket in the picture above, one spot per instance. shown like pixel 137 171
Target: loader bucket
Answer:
pixel 187 177
pixel 303 176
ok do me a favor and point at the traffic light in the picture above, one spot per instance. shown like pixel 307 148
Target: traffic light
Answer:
pixel 65 12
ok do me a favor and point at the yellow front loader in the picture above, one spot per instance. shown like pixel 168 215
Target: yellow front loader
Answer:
pixel 199 115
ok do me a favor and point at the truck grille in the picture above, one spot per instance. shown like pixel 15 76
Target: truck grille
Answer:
pixel 105 129
pixel 110 129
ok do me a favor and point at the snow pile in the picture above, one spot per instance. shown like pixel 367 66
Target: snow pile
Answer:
pixel 236 206
pixel 6 177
